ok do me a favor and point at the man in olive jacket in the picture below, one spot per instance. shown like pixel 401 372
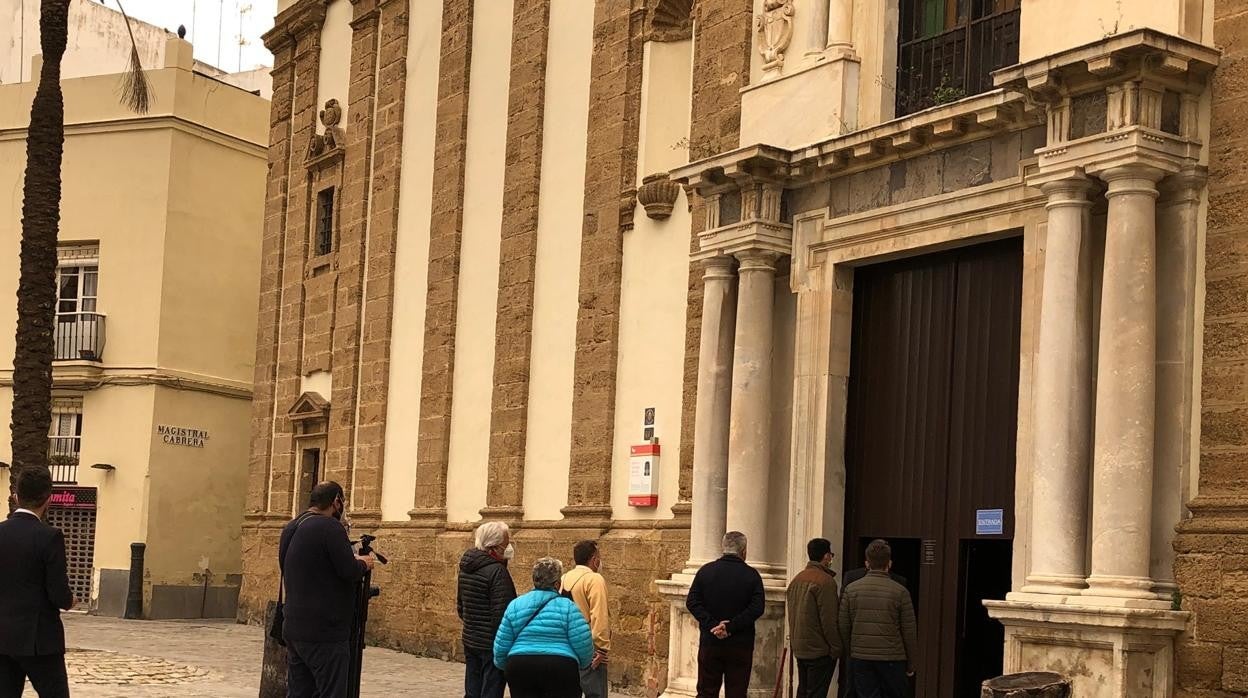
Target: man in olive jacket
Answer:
pixel 877 627
pixel 813 602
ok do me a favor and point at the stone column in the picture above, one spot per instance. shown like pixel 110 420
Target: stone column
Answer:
pixel 710 429
pixel 1126 389
pixel 1062 418
pixel 841 24
pixel 749 440
pixel 816 12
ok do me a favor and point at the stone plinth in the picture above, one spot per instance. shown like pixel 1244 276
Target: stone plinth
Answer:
pixel 779 111
pixel 1031 684
pixel 683 634
pixel 1104 652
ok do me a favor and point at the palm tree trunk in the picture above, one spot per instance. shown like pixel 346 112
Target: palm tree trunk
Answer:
pixel 41 213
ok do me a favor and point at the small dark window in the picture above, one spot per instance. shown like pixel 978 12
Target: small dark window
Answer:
pixel 947 49
pixel 325 222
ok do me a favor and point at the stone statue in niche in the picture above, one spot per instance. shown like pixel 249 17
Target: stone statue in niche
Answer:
pixel 775 27
pixel 333 138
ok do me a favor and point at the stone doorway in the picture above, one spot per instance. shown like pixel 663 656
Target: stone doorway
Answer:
pixel 930 444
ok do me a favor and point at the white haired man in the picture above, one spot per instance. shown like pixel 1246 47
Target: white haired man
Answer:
pixel 485 588
pixel 726 597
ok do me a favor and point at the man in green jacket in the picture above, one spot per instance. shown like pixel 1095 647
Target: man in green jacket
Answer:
pixel 877 626
pixel 812 601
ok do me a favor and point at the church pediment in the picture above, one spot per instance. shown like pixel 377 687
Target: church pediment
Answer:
pixel 309 406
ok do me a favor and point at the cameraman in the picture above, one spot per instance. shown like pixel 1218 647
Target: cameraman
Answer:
pixel 321 572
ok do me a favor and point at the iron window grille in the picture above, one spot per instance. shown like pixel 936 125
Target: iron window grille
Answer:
pixel 325 222
pixel 948 49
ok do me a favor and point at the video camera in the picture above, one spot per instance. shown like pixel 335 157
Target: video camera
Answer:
pixel 364 593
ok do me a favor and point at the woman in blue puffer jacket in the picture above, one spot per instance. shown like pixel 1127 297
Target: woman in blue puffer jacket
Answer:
pixel 543 641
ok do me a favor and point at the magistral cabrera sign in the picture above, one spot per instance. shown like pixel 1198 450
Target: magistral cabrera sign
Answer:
pixel 182 436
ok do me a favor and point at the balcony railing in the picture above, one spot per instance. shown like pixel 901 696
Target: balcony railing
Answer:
pixel 63 458
pixel 79 337
pixel 955 63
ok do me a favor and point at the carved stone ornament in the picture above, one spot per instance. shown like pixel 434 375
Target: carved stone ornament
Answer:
pixel 333 138
pixel 658 195
pixel 775 27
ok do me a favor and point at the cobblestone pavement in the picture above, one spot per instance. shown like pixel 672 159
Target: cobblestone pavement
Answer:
pixel 111 658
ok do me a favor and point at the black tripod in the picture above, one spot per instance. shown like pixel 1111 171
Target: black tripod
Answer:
pixel 365 592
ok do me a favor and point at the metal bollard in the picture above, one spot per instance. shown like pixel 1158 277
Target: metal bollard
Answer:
pixel 134 594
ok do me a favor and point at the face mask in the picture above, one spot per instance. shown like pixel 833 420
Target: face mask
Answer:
pixel 509 552
pixel 338 511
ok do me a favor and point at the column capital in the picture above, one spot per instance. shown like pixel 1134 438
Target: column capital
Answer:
pixel 718 267
pixel 1134 178
pixel 757 260
pixel 1074 190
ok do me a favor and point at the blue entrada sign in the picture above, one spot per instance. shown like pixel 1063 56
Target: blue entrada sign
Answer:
pixel 989 522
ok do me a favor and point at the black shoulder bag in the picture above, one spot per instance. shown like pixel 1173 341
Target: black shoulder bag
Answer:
pixel 279 615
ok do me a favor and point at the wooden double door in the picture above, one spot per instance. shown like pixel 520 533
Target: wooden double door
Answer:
pixel 930 447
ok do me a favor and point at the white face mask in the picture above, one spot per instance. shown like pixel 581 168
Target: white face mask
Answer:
pixel 509 552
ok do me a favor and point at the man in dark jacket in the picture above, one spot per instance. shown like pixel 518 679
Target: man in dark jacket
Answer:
pixel 726 597
pixel 34 589
pixel 813 603
pixel 321 571
pixel 878 629
pixel 485 589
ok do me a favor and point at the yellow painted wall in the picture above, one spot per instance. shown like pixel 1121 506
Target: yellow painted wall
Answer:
pixel 666 103
pixel 196 506
pixel 478 270
pixel 212 251
pixel 411 261
pixel 1086 21
pixel 560 205
pixel 334 76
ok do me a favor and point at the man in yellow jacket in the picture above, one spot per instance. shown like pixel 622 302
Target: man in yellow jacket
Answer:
pixel 588 590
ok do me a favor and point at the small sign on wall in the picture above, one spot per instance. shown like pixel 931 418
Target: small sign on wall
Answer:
pixel 182 436
pixel 989 522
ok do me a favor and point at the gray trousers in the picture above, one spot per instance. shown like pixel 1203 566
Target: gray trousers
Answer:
pixel 594 682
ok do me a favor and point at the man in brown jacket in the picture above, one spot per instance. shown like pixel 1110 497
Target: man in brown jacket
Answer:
pixel 588 590
pixel 877 626
pixel 813 601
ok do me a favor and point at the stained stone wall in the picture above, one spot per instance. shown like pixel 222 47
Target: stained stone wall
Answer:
pixel 1212 545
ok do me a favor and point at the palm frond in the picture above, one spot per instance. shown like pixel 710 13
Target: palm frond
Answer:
pixel 136 92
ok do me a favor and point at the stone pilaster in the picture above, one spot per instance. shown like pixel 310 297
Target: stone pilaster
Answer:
pixel 445 235
pixel 715 367
pixel 518 250
pixel 840 24
pixel 1062 417
pixel 610 176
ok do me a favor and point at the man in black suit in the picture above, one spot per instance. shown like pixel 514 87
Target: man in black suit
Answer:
pixel 34 589
pixel 726 598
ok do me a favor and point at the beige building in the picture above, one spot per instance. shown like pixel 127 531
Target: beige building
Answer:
pixel 951 273
pixel 155 333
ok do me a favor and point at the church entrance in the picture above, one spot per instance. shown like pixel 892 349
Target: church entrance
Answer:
pixel 931 426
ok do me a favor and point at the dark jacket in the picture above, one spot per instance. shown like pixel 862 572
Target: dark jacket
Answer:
pixel 813 605
pixel 877 620
pixel 485 589
pixel 321 576
pixel 727 589
pixel 856 574
pixel 34 587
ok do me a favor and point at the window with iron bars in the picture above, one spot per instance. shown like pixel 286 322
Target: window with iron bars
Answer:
pixel 947 49
pixel 65 440
pixel 325 222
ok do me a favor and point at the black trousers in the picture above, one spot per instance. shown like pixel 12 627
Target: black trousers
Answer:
pixel 46 672
pixel 317 669
pixel 726 665
pixel 814 677
pixel 877 679
pixel 481 678
pixel 543 676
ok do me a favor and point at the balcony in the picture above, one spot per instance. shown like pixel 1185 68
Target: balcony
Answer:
pixel 957 62
pixel 79 337
pixel 63 459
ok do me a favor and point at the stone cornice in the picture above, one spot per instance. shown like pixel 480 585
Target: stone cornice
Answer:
pixel 295 22
pixel 937 128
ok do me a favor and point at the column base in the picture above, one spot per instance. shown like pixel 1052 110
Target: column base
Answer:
pixel 1061 585
pixel 1106 652
pixel 684 635
pixel 1121 592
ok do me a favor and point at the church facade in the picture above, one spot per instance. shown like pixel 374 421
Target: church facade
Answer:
pixel 962 274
